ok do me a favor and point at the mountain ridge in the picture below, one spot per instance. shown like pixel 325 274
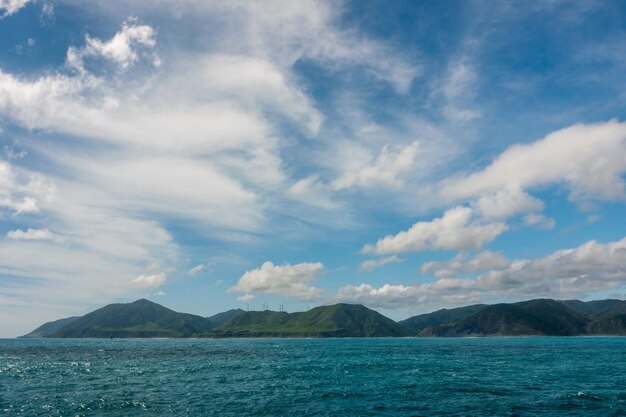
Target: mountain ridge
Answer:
pixel 538 317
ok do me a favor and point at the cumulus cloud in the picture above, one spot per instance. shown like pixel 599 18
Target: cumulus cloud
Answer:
pixel 483 261
pixel 569 273
pixel 457 229
pixel 150 281
pixel 290 280
pixel 377 263
pixel 506 202
pixel 245 298
pixel 385 170
pixel 31 234
pixel 121 49
pixel 589 158
pixel 9 7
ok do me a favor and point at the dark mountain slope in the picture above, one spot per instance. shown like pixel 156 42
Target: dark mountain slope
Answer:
pixel 597 308
pixel 534 317
pixel 440 317
pixel 144 318
pixel 611 321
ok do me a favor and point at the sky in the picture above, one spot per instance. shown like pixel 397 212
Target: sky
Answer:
pixel 210 155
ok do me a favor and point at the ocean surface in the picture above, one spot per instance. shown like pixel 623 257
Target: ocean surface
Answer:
pixel 319 377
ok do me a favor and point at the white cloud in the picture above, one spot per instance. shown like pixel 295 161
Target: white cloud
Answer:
pixel 570 273
pixel 592 218
pixel 483 261
pixel 290 280
pixel 506 202
pixel 285 32
pixel 312 191
pixel 259 80
pixel 377 263
pixel 150 281
pixel 22 192
pixel 458 90
pixel 196 270
pixel 47 17
pixel 245 298
pixel 385 170
pixel 25 47
pixel 539 220
pixel 121 49
pixel 9 7
pixel 589 158
pixel 31 234
pixel 200 139
pixel 308 29
pixel 456 229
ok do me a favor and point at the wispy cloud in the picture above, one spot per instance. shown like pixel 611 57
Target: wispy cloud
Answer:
pixel 9 7
pixel 377 263
pixel 196 270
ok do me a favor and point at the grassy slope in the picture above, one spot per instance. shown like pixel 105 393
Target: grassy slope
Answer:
pixel 141 318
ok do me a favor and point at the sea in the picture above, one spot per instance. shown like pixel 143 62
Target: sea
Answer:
pixel 535 376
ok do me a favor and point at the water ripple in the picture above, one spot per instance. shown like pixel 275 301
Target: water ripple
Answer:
pixel 321 377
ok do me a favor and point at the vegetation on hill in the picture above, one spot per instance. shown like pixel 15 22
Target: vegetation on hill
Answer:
pixel 535 317
pixel 339 320
pixel 141 318
pixel 144 318
pixel 440 317
pixel 48 329
pixel 222 318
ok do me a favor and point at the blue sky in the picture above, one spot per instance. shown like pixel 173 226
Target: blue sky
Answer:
pixel 211 155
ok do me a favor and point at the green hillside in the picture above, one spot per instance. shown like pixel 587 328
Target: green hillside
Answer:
pixel 339 320
pixel 146 319
pixel 222 318
pixel 48 329
pixel 141 318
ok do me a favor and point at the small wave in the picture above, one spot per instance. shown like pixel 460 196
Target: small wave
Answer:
pixel 581 394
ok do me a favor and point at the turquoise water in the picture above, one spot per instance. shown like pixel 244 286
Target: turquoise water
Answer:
pixel 322 377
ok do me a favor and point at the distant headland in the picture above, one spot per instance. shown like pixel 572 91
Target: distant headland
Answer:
pixel 540 317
